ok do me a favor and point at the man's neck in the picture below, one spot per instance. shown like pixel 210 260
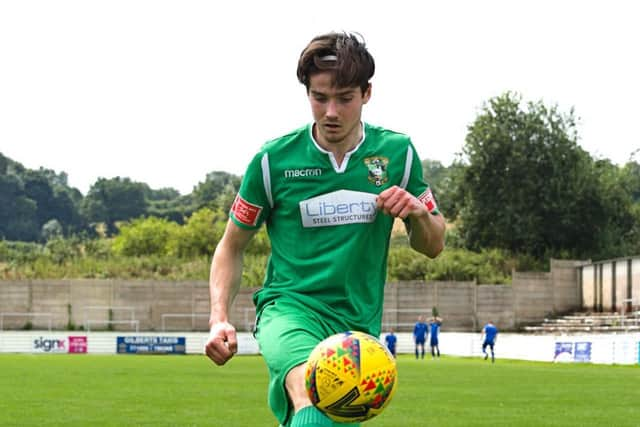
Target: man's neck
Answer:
pixel 340 149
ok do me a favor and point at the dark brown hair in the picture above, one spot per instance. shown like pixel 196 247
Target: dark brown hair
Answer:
pixel 343 54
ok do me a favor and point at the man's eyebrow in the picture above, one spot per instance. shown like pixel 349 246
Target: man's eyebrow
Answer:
pixel 339 93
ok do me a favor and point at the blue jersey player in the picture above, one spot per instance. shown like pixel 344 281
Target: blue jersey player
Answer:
pixel 391 339
pixel 434 330
pixel 490 335
pixel 420 333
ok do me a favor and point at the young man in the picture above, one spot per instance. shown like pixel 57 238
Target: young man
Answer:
pixel 328 194
pixel 391 339
pixel 490 335
pixel 434 331
pixel 420 332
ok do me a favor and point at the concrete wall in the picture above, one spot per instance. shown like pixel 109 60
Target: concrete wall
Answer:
pixel 610 285
pixel 178 306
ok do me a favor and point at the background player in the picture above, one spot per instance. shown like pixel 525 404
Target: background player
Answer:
pixel 391 339
pixel 420 332
pixel 434 334
pixel 490 335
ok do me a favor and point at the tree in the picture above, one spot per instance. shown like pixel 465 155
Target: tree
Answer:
pixel 217 191
pixel 52 229
pixel 444 182
pixel 112 200
pixel 528 186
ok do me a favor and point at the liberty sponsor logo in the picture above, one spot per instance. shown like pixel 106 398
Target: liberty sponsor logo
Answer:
pixel 428 200
pixel 245 212
pixel 297 173
pixel 377 167
pixel 338 208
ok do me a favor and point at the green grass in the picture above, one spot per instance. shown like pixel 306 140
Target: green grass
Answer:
pixel 82 390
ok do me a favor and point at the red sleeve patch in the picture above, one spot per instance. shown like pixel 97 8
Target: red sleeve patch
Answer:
pixel 245 212
pixel 427 199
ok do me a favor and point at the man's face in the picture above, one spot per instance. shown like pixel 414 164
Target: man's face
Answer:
pixel 336 111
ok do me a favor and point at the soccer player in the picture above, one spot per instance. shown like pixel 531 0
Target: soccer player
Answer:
pixel 391 340
pixel 434 332
pixel 490 335
pixel 328 194
pixel 420 332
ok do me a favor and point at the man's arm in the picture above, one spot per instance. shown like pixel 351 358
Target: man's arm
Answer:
pixel 224 282
pixel 426 231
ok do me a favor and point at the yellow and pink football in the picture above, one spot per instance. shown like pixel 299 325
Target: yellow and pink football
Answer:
pixel 351 377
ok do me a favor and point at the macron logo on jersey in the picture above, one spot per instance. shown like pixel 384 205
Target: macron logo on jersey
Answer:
pixel 245 212
pixel 296 173
pixel 338 208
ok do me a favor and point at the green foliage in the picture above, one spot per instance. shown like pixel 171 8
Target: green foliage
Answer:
pixel 260 243
pixel 217 191
pixel 51 229
pixel 529 188
pixel 113 200
pixel 146 236
pixel 19 252
pixel 444 182
pixel 60 250
pixel 493 266
pixel 31 198
pixel 200 234
pixel 254 270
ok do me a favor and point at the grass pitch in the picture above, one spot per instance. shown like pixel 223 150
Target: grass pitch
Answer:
pixel 135 390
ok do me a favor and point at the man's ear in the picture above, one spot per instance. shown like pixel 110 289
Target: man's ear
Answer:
pixel 366 95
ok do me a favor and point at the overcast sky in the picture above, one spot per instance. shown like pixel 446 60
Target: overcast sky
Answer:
pixel 164 92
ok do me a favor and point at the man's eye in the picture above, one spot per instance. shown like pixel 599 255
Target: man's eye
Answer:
pixel 346 99
pixel 320 99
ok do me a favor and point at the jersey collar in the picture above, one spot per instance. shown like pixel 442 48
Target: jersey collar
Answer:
pixel 345 162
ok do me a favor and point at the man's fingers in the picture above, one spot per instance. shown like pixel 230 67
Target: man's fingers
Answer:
pixel 218 351
pixel 222 344
pixel 232 342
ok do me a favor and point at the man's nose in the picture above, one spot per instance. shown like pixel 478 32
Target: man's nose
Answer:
pixel 332 108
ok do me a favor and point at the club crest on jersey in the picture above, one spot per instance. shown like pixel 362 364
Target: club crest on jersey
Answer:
pixel 377 167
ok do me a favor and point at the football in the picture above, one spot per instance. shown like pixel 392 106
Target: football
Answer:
pixel 351 377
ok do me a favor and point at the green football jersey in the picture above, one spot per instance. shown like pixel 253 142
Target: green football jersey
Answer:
pixel 329 244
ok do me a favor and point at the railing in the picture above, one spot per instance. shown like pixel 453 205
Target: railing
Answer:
pixel 248 318
pixel 394 313
pixel 193 317
pixel 110 310
pixel 90 322
pixel 3 315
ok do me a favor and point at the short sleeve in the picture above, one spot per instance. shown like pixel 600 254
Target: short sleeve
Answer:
pixel 252 204
pixel 416 184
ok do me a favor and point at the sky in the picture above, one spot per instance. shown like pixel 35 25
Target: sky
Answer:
pixel 164 92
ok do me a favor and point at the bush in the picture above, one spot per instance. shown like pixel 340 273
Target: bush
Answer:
pixel 200 234
pixel 487 266
pixel 145 236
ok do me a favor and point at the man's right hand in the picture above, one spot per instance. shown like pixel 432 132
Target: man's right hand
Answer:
pixel 222 343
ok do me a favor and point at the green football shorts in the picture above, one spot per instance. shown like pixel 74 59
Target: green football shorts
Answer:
pixel 287 332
